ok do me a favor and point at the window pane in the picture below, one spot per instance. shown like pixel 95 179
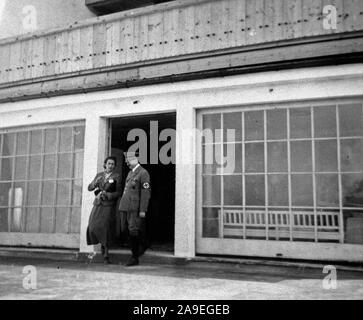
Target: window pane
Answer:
pixel 20 168
pixel 34 167
pixel 233 158
pixel 62 220
pixel 301 159
pixel 75 220
pixel 49 167
pixel 210 223
pixel 351 120
pixel 9 144
pixel 46 220
pixel 325 122
pixel 50 140
pixel 255 160
pixel 78 165
pixel 277 156
pixel 212 122
pixel 352 155
pixel 352 190
pixel 65 139
pixel 63 193
pixel 210 152
pixel 232 121
pixel 212 190
pixel 35 142
pixel 254 125
pixel 255 190
pixel 327 190
pixel 302 190
pixel 32 220
pixel 4 193
pixel 326 156
pixel 300 123
pixel 77 193
pixel 33 193
pixel 4 224
pixel 65 166
pixel 22 143
pixel 353 226
pixel 232 190
pixel 276 124
pixel 6 169
pixel 278 193
pixel 48 193
pixel 78 138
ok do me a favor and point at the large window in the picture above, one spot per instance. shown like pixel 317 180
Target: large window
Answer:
pixel 297 174
pixel 41 179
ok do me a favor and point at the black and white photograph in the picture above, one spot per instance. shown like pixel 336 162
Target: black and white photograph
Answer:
pixel 199 152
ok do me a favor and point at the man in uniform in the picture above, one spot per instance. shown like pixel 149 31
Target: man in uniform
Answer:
pixel 134 202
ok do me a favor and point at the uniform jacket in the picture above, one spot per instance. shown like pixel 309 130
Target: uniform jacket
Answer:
pixel 112 187
pixel 137 191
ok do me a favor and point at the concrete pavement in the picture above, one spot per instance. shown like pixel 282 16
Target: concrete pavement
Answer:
pixel 194 280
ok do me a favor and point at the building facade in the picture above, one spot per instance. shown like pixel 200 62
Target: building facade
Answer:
pixel 286 76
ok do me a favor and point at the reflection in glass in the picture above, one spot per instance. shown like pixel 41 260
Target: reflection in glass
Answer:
pixel 75 223
pixel 277 156
pixel 278 194
pixel 326 156
pixel 210 223
pixel 233 164
pixel 35 142
pixel 6 169
pixel 301 158
pixel 255 190
pixel 49 167
pixel 22 143
pixel 33 193
pixel 212 122
pixel 232 187
pixel 65 139
pixel 255 160
pixel 254 125
pixel 232 121
pixel 352 190
pixel 62 220
pixel 65 165
pixel 325 122
pixel 302 190
pixel 276 124
pixel 300 123
pixel 50 140
pixel 20 168
pixel 34 167
pixel 46 220
pixel 63 193
pixel 327 190
pixel 9 144
pixel 351 120
pixel 211 190
pixel 48 193
pixel 78 133
pixel 352 155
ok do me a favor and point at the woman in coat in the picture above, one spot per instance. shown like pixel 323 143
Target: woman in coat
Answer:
pixel 107 188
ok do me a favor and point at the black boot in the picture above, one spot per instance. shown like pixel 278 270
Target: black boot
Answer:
pixel 106 259
pixel 134 260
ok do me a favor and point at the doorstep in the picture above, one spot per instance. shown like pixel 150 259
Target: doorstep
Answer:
pixel 151 257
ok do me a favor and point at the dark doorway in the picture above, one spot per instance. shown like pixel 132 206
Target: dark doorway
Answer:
pixel 160 218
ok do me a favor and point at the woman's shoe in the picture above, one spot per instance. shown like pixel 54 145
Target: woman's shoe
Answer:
pixel 106 260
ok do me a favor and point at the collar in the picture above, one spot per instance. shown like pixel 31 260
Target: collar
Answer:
pixel 134 169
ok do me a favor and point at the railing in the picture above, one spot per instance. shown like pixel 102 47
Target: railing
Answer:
pixel 304 225
pixel 168 30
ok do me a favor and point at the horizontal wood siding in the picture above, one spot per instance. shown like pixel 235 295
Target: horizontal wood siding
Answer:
pixel 174 30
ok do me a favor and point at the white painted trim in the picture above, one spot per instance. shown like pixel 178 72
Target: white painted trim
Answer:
pixel 282 249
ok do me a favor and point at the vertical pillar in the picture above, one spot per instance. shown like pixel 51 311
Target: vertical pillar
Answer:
pixel 95 147
pixel 185 228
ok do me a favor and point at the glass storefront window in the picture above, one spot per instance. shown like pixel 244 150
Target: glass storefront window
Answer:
pixel 41 173
pixel 298 174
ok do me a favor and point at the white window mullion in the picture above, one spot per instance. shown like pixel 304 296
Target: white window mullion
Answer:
pixel 265 175
pixel 289 173
pixel 314 174
pixel 42 155
pixel 243 176
pixel 54 218
pixel 341 220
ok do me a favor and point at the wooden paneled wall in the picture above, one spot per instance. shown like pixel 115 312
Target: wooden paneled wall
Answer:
pixel 173 29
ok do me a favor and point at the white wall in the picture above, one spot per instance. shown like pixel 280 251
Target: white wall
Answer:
pixel 184 98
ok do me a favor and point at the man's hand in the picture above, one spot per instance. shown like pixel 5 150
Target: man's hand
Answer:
pixel 142 214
